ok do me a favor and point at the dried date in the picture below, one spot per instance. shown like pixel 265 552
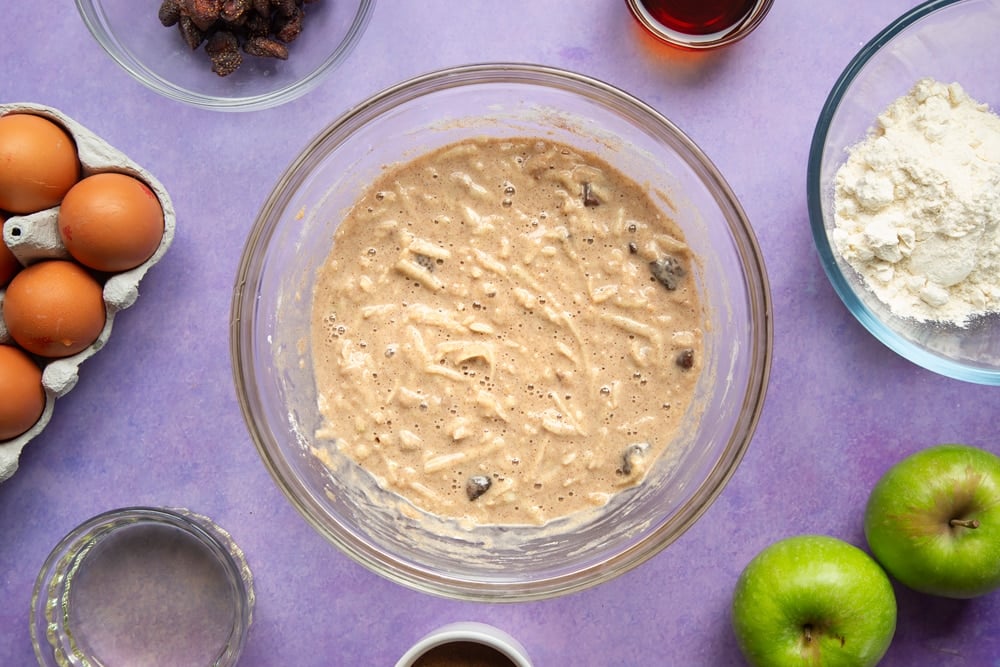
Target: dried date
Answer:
pixel 632 455
pixel 224 50
pixel 203 13
pixel 290 27
pixel 170 13
pixel 190 33
pixel 261 28
pixel 668 271
pixel 284 7
pixel 235 11
pixel 256 25
pixel 477 486
pixel 262 8
pixel 265 47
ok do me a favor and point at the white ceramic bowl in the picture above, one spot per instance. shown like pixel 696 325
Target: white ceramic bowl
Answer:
pixel 469 632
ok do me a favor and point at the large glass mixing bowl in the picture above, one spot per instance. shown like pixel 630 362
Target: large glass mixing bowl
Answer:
pixel 292 236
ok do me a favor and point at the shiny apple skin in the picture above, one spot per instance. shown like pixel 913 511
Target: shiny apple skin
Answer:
pixel 813 600
pixel 908 521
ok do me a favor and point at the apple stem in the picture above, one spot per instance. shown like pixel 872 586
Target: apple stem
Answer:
pixel 964 523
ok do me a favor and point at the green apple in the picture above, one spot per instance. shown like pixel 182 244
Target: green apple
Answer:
pixel 933 521
pixel 813 600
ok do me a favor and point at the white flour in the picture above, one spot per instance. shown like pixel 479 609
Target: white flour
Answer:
pixel 918 206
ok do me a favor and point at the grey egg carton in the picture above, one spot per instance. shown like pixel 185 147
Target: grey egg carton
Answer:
pixel 35 237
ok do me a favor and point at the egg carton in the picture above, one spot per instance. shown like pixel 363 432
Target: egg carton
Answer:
pixel 35 237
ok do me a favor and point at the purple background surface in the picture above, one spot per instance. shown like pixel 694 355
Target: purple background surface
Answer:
pixel 155 420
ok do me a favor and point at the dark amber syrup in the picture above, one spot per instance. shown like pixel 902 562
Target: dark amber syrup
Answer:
pixel 698 17
pixel 463 654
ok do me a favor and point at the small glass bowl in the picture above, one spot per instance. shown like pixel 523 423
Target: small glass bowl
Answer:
pixel 948 40
pixel 291 238
pixel 143 585
pixel 156 56
pixel 502 649
pixel 699 41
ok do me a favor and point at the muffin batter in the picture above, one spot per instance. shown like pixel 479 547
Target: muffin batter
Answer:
pixel 506 331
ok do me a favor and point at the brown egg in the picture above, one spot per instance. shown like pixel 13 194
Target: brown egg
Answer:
pixel 54 308
pixel 38 163
pixel 111 222
pixel 22 398
pixel 8 262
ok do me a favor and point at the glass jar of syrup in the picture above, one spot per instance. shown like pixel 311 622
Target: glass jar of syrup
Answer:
pixel 699 24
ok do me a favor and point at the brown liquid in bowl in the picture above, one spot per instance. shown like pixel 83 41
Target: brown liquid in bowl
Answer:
pixel 463 654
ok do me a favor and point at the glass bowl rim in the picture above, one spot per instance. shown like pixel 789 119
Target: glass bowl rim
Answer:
pixel 725 463
pixel 737 32
pixel 91 11
pixel 868 319
pixel 76 543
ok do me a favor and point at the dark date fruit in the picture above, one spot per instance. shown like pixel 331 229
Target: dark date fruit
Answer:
pixel 632 452
pixel 589 198
pixel 261 28
pixel 477 486
pixel 224 50
pixel 668 271
pixel 265 47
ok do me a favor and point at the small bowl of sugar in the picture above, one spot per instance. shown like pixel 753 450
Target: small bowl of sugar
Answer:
pixel 904 188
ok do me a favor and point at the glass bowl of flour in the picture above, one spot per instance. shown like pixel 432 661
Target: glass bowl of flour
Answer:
pixel 904 188
pixel 452 320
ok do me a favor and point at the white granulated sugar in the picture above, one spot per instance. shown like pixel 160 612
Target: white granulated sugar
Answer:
pixel 917 206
